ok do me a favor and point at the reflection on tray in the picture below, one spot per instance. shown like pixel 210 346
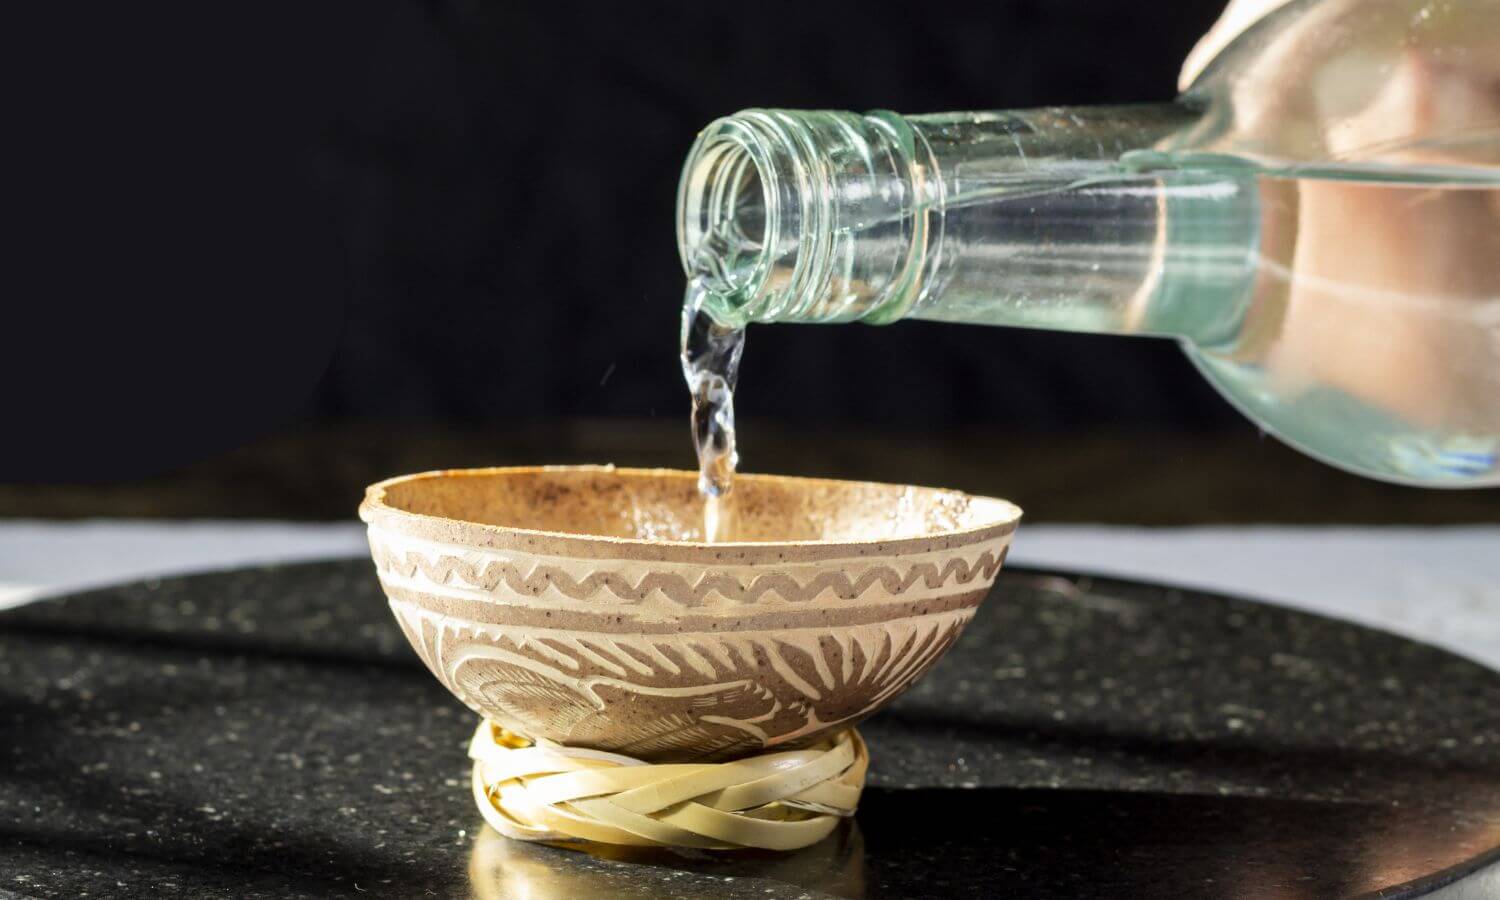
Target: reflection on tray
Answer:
pixel 505 869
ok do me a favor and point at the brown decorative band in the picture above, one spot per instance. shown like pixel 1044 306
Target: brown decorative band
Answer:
pixel 679 589
pixel 492 537
pixel 609 622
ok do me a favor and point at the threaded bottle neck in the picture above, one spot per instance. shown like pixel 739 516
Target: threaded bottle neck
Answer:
pixel 808 216
pixel 1060 218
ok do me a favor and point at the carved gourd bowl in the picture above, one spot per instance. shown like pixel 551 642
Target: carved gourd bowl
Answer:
pixel 582 605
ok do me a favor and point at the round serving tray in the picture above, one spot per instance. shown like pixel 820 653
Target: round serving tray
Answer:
pixel 267 732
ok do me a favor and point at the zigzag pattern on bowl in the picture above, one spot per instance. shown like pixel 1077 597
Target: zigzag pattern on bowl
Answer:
pixel 737 584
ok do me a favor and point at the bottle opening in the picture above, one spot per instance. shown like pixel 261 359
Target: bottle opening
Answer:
pixel 724 218
pixel 802 216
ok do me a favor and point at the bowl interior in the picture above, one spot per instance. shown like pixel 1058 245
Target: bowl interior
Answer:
pixel 664 505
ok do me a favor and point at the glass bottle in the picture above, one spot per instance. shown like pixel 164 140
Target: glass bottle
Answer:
pixel 1316 219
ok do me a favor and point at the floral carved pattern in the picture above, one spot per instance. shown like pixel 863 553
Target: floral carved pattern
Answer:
pixel 699 696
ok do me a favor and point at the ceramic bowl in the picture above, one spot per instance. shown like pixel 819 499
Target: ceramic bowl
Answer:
pixel 582 605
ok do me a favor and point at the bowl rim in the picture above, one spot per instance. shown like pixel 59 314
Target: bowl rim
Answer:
pixel 375 511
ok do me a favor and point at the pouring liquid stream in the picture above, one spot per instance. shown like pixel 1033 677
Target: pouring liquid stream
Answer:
pixel 710 364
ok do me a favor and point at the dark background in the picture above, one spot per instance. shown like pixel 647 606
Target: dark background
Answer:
pixel 234 218
pixel 261 253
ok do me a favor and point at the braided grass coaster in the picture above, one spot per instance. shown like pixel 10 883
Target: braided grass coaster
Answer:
pixel 541 791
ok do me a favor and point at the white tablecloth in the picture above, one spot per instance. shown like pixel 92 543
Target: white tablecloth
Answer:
pixel 1441 585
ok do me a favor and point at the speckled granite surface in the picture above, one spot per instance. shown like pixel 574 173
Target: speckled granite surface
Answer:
pixel 266 733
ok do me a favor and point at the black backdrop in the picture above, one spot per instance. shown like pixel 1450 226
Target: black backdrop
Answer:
pixel 233 215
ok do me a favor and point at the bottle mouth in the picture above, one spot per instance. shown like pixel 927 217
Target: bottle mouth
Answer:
pixel 806 216
pixel 727 222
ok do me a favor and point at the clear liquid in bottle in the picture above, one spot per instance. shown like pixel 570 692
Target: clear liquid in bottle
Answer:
pixel 1371 334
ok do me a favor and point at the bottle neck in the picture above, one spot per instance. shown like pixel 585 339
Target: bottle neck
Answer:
pixel 1045 218
pixel 804 216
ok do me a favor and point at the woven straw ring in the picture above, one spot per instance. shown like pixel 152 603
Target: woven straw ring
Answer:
pixel 541 791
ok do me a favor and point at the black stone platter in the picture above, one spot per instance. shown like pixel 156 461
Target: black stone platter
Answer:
pixel 267 733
